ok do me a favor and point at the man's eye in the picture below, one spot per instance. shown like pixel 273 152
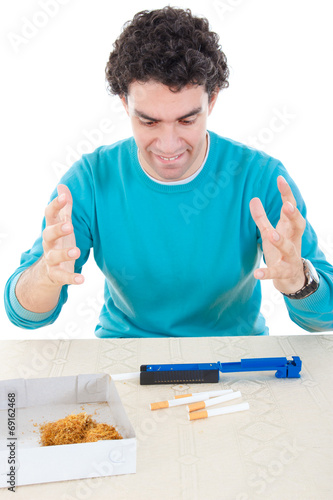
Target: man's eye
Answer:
pixel 187 122
pixel 148 124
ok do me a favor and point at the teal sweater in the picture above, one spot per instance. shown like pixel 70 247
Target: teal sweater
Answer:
pixel 178 260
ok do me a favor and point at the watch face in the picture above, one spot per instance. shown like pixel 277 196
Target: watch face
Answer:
pixel 311 270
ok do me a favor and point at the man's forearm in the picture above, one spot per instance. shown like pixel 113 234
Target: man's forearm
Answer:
pixel 35 291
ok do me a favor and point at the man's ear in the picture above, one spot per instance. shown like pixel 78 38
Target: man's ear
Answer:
pixel 123 99
pixel 213 100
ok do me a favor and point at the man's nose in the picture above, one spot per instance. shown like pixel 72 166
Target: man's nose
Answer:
pixel 168 140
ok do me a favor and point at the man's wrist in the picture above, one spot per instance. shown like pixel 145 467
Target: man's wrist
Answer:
pixel 311 282
pixel 35 291
pixel 290 286
pixel 43 275
pixel 24 313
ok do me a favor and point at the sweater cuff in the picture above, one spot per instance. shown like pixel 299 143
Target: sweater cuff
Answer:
pixel 313 302
pixel 20 310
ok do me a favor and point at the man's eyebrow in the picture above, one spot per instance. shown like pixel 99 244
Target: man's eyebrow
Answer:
pixel 143 115
pixel 194 111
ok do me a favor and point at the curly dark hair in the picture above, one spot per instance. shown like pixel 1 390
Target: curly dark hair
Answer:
pixel 170 46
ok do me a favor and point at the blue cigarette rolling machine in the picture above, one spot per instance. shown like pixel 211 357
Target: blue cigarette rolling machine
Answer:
pixel 201 373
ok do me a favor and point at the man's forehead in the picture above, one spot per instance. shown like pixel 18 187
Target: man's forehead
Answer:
pixel 151 99
pixel 141 90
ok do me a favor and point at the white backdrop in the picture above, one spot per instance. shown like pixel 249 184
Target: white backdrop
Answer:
pixel 54 107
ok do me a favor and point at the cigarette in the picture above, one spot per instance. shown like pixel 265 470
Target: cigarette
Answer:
pixel 200 405
pixel 212 393
pixel 200 396
pixel 218 411
pixel 125 376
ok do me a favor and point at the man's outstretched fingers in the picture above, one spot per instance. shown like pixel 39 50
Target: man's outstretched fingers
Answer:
pixel 285 246
pixel 55 231
pixel 277 272
pixel 52 210
pixel 55 257
pixel 259 215
pixel 285 191
pixel 293 222
pixel 61 277
pixel 65 213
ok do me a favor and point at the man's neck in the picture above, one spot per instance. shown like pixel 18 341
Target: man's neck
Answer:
pixel 184 180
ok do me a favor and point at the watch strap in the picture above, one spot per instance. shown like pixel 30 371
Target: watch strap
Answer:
pixel 310 286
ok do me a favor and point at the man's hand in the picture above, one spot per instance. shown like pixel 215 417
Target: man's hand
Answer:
pixel 281 246
pixel 60 250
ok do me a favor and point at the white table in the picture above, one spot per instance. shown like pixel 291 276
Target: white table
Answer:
pixel 282 448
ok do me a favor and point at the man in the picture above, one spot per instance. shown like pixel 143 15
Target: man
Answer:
pixel 178 217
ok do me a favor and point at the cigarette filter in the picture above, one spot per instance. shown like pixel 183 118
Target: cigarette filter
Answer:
pixel 183 401
pixel 212 393
pixel 213 401
pixel 218 411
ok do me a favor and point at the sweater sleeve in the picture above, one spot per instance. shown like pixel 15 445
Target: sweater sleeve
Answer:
pixel 78 179
pixel 313 313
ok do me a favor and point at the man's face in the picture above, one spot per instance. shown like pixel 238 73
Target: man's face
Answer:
pixel 169 128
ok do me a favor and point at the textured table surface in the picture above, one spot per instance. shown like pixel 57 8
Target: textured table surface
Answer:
pixel 281 448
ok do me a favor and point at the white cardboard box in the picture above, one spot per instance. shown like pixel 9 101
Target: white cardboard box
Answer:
pixel 49 399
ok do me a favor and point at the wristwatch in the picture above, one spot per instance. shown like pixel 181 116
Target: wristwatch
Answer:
pixel 311 282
